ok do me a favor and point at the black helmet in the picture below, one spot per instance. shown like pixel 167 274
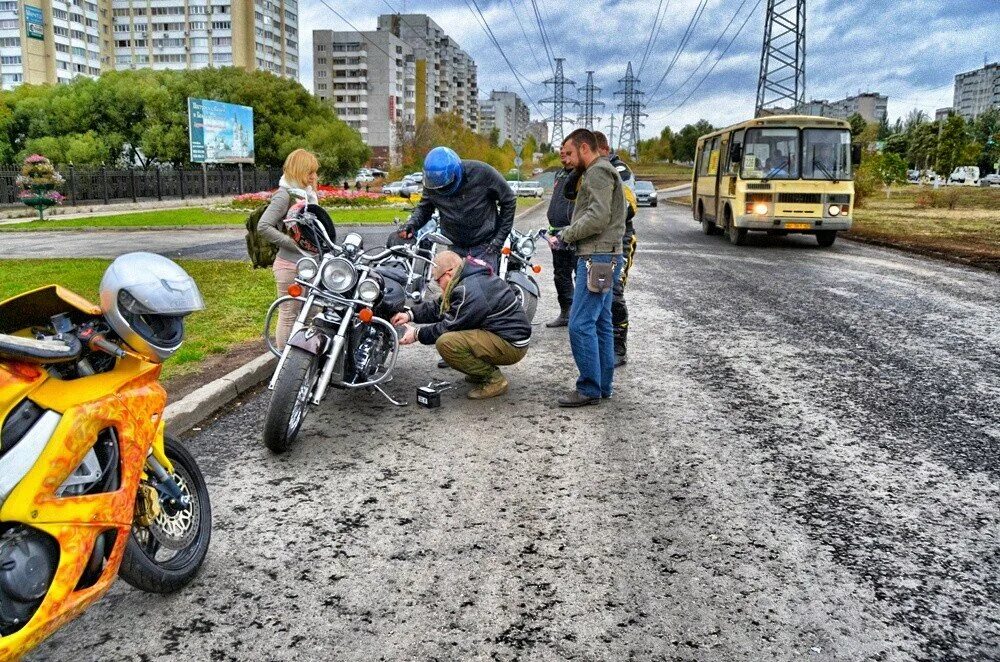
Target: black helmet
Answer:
pixel 306 227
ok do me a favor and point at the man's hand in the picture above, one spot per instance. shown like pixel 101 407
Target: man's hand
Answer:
pixel 410 336
pixel 399 319
pixel 405 232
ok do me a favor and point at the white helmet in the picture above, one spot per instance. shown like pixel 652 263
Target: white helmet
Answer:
pixel 144 298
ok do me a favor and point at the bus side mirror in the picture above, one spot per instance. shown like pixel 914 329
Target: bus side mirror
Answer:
pixel 736 154
pixel 855 154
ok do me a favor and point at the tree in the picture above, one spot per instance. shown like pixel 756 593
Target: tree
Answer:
pixel 922 145
pixel 495 137
pixel 858 124
pixel 986 132
pixel 687 139
pixel 879 170
pixel 953 144
pixel 127 117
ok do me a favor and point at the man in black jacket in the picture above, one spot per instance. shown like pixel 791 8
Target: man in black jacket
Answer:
pixel 563 256
pixel 475 203
pixel 476 326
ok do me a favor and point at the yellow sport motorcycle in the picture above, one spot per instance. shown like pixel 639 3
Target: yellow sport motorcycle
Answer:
pixel 90 487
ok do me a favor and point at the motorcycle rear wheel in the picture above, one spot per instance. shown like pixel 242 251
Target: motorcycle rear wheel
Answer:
pixel 290 399
pixel 187 533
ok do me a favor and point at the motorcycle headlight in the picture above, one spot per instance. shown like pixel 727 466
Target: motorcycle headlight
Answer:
pixel 834 210
pixel 306 268
pixel 526 247
pixel 369 291
pixel 339 275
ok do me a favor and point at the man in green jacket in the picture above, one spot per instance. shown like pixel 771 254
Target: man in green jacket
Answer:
pixel 596 230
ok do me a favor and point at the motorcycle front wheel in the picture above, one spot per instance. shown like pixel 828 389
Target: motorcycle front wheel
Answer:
pixel 290 399
pixel 527 300
pixel 165 556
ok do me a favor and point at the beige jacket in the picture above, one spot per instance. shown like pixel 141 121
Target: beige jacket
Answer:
pixel 598 221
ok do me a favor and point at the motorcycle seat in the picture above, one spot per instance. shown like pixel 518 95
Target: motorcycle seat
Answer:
pixel 30 350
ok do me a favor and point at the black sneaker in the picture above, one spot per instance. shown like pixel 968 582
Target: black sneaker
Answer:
pixel 577 399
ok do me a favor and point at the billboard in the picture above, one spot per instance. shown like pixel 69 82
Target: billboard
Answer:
pixel 34 22
pixel 220 132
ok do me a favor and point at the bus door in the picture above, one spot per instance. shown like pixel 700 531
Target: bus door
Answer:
pixel 732 146
pixel 708 174
pixel 722 170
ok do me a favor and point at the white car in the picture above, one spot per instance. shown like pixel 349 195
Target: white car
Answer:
pixel 965 175
pixel 364 178
pixel 417 177
pixel 991 180
pixel 529 189
pixel 403 189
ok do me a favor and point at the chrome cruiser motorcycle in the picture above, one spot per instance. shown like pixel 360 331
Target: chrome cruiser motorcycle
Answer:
pixel 342 336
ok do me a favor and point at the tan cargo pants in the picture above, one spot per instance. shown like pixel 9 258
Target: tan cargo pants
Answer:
pixel 477 353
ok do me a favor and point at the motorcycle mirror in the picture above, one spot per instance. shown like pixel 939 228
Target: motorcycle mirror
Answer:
pixel 438 238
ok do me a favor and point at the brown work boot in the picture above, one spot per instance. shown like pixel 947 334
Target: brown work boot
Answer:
pixel 491 389
pixel 471 379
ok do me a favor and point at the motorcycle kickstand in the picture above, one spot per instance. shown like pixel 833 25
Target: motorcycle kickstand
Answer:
pixel 388 397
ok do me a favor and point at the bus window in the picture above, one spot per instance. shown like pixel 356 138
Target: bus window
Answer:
pixel 826 154
pixel 705 158
pixel 771 154
pixel 734 148
pixel 713 158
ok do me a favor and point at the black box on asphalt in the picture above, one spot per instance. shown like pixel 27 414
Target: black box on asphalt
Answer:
pixel 428 397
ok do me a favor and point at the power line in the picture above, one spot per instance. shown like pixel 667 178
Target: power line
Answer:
pixel 514 71
pixel 587 119
pixel 524 32
pixel 653 34
pixel 360 33
pixel 545 38
pixel 707 55
pixel 558 100
pixel 717 60
pixel 692 24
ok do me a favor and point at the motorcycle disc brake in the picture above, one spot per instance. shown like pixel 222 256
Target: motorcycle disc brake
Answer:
pixel 147 505
pixel 177 531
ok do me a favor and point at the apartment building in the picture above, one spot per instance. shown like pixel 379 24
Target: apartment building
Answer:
pixel 540 130
pixel 507 113
pixel 54 41
pixel 445 75
pixel 369 79
pixel 977 91
pixel 872 106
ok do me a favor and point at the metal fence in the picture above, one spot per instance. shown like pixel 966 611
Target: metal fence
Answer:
pixel 100 185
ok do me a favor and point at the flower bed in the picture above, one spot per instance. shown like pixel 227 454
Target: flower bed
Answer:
pixel 329 197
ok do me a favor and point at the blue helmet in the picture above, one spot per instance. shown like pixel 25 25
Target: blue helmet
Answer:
pixel 442 171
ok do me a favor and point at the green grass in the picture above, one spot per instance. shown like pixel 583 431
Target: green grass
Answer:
pixel 526 203
pixel 193 217
pixel 236 298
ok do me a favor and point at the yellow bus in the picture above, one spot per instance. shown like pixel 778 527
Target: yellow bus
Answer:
pixel 780 174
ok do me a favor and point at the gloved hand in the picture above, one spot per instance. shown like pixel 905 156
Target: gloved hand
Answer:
pixel 494 248
pixel 405 232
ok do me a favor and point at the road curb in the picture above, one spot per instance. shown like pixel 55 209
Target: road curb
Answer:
pixel 198 405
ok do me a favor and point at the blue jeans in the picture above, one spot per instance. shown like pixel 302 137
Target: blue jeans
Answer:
pixel 590 332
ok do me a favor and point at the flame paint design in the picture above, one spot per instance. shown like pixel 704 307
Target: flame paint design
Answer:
pixel 129 399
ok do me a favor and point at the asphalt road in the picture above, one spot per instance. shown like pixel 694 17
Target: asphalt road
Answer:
pixel 204 244
pixel 800 461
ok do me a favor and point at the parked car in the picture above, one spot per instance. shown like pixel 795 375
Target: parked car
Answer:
pixel 376 173
pixel 965 175
pixel 537 171
pixel 645 194
pixel 991 180
pixel 401 188
pixel 529 189
pixel 364 177
pixel 514 185
pixel 417 177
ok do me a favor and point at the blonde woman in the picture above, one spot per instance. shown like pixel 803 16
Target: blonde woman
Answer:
pixel 298 184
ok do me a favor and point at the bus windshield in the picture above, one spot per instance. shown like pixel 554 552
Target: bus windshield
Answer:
pixel 771 154
pixel 826 154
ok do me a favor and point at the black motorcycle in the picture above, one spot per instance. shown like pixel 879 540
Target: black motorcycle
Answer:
pixel 342 336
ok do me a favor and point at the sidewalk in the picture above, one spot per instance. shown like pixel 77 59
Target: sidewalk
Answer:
pixel 22 214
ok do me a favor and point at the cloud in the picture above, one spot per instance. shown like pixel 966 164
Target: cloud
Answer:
pixel 910 51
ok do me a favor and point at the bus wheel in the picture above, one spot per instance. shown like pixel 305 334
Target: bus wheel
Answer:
pixel 737 236
pixel 825 238
pixel 707 226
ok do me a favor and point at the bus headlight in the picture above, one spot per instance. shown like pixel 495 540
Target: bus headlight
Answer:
pixel 369 291
pixel 339 275
pixel 760 208
pixel 833 210
pixel 306 268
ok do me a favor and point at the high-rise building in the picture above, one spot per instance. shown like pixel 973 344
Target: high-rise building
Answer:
pixel 53 41
pixel 507 113
pixel 872 106
pixel 977 91
pixel 368 78
pixel 941 114
pixel 540 130
pixel 445 75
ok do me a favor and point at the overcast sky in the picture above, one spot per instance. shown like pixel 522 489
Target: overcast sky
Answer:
pixel 909 50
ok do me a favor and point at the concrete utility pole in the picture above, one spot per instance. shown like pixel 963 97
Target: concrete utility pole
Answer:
pixel 632 113
pixel 559 101
pixel 782 77
pixel 587 118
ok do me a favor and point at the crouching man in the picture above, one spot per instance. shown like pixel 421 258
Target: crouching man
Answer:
pixel 477 325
